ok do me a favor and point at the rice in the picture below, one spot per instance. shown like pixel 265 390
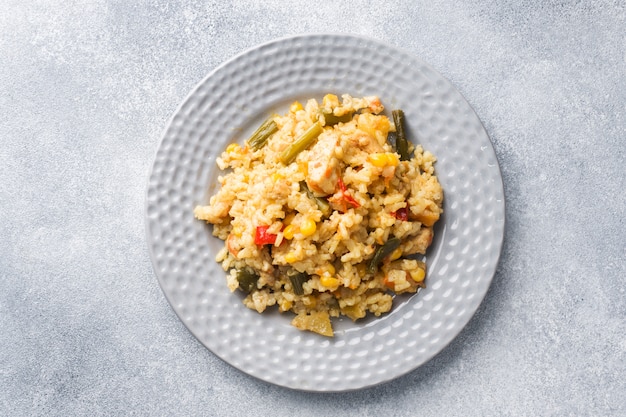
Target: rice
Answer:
pixel 333 229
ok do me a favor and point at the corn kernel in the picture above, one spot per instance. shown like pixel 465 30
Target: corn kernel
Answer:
pixel 396 254
pixel 291 257
pixel 328 281
pixel 330 100
pixel 303 167
pixel 289 232
pixel 276 176
pixel 295 106
pixel 326 269
pixel 233 147
pixel 286 305
pixel 378 159
pixel 392 159
pixel 308 227
pixel 384 159
pixel 417 274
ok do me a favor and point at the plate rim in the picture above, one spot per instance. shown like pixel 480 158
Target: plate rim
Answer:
pixel 490 274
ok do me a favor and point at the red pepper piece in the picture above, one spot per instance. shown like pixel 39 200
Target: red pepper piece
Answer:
pixel 401 214
pixel 345 195
pixel 262 237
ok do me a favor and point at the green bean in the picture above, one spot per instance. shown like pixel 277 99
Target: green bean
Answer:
pixel 322 203
pixel 402 143
pixel 382 252
pixel 330 119
pixel 261 135
pixel 297 279
pixel 303 142
pixel 247 279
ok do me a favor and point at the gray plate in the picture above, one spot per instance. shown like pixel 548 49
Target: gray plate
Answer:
pixel 228 105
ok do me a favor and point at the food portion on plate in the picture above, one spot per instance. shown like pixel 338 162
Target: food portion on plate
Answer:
pixel 323 211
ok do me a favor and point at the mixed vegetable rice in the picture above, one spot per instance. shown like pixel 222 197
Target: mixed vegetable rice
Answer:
pixel 322 210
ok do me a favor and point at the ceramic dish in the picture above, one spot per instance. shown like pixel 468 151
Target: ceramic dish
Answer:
pixel 228 105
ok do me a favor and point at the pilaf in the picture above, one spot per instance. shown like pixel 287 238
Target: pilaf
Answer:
pixel 321 215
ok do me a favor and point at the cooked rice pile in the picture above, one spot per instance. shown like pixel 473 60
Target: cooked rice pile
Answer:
pixel 330 232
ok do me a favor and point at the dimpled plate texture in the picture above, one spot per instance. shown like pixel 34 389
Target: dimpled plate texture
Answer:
pixel 226 107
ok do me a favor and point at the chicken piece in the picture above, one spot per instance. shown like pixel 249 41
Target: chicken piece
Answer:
pixel 323 168
pixel 370 135
pixel 366 143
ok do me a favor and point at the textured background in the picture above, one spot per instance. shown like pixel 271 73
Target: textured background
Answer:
pixel 88 87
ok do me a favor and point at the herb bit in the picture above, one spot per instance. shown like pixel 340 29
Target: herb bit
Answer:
pixel 382 252
pixel 402 143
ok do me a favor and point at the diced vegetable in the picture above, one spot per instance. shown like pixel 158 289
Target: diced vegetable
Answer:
pixel 402 143
pixel 384 159
pixel 330 119
pixel 329 281
pixel 396 254
pixel 233 147
pixel 326 270
pixel 321 202
pixel 418 274
pixel 330 101
pixel 297 279
pixel 289 232
pixel 247 279
pixel 382 252
pixel 401 214
pixel 355 312
pixel 262 237
pixel 302 143
pixel 317 321
pixel 308 227
pixel 345 195
pixel 427 217
pixel 229 244
pixel 296 106
pixel 260 136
